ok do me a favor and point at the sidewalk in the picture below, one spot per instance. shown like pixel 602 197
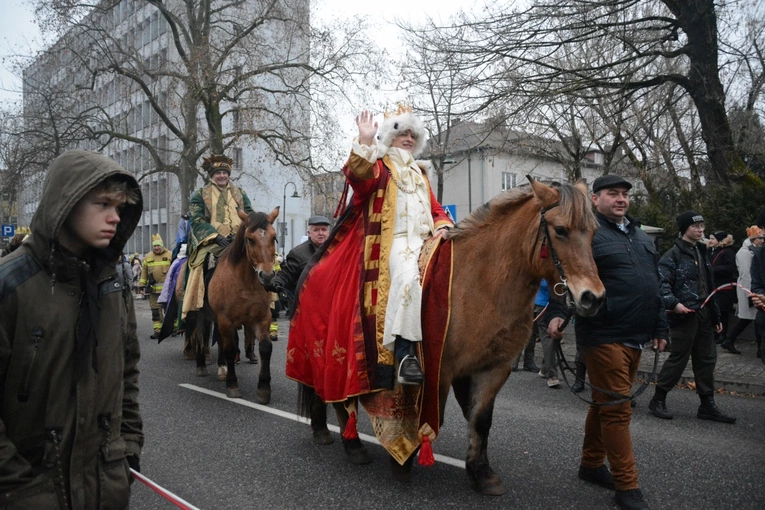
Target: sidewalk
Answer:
pixel 742 373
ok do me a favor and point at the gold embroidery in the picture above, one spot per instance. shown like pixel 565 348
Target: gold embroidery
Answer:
pixel 318 349
pixel 339 353
pixel 290 355
pixel 406 297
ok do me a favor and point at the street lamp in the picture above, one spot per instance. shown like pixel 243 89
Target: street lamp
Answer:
pixel 284 211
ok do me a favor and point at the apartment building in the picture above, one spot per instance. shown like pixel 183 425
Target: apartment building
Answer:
pixel 95 98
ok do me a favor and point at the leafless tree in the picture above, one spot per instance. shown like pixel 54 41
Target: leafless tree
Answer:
pixel 526 52
pixel 258 72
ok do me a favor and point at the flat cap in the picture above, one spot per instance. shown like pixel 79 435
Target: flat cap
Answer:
pixel 319 220
pixel 610 181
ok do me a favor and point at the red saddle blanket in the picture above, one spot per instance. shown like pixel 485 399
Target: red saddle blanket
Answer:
pixel 402 416
pixel 338 370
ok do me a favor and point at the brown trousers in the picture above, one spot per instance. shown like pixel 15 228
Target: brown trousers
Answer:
pixel 607 429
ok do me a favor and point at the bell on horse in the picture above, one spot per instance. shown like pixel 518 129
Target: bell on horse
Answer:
pixel 487 271
pixel 236 296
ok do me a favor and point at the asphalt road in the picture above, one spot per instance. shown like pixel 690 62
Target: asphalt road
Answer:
pixel 229 454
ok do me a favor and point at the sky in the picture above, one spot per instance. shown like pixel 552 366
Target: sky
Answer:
pixel 20 35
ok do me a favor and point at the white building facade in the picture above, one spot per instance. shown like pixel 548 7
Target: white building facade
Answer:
pixel 143 35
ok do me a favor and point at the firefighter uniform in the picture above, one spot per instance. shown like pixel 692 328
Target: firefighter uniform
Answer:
pixel 156 265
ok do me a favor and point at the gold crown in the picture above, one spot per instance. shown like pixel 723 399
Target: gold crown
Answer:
pixel 753 231
pixel 156 239
pixel 402 108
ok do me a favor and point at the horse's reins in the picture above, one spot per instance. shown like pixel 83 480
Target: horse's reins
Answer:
pixel 561 289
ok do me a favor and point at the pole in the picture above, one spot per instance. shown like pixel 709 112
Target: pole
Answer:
pixel 284 212
pixel 470 186
pixel 284 223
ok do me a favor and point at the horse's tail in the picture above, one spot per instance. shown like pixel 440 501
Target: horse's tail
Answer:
pixel 306 398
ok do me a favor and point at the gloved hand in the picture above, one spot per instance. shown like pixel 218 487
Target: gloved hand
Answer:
pixel 222 241
pixel 134 462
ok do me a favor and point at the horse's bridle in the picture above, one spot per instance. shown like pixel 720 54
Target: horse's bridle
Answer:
pixel 261 225
pixel 570 308
pixel 561 288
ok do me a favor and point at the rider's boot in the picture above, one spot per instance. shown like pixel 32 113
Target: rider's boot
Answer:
pixel 409 370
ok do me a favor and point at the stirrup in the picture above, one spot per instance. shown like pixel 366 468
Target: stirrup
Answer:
pixel 411 381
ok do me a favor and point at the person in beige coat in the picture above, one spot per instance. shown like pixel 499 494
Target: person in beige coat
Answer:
pixel 746 312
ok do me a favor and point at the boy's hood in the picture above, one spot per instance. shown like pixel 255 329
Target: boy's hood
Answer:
pixel 69 178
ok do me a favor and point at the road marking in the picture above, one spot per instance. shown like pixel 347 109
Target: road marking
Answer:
pixel 294 417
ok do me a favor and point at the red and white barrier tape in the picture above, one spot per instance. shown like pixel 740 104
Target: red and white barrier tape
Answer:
pixel 177 501
pixel 728 286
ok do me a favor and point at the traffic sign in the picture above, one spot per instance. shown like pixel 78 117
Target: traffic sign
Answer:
pixel 8 230
pixel 451 211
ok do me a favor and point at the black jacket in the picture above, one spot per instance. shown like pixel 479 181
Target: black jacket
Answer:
pixel 626 265
pixel 680 277
pixel 293 266
pixel 758 271
pixel 723 262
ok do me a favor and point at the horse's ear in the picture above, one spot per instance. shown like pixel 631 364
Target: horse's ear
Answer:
pixel 581 185
pixel 242 215
pixel 272 217
pixel 544 193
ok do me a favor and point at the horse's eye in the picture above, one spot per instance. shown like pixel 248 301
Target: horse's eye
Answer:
pixel 561 231
pixel 249 240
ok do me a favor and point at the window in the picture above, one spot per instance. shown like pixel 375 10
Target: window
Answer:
pixel 237 157
pixel 235 120
pixel 508 181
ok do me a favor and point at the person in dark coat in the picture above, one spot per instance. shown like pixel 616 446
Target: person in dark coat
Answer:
pixel 612 341
pixel 69 415
pixel 686 283
pixel 723 260
pixel 292 267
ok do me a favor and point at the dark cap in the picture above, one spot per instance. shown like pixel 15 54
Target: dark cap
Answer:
pixel 720 235
pixel 319 220
pixel 610 181
pixel 687 219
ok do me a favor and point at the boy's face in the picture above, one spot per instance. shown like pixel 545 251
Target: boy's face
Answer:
pixel 92 222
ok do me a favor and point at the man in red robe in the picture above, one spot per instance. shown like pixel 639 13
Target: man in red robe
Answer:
pixel 357 318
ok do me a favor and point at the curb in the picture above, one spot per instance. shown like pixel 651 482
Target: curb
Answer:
pixel 727 385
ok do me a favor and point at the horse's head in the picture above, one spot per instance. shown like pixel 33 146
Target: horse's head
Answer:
pixel 564 244
pixel 259 241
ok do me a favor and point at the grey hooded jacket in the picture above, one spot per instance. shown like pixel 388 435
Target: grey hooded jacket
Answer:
pixel 64 441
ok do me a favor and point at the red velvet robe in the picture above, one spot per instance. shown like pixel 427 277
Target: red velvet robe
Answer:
pixel 335 341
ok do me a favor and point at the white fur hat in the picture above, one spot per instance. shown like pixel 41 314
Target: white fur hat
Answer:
pixel 394 126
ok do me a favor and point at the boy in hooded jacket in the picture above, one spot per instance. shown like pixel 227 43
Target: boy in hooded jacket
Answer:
pixel 70 426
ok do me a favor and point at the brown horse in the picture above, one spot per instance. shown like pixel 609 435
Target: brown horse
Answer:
pixel 236 297
pixel 500 254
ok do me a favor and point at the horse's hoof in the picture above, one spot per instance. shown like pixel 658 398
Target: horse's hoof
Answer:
pixel 492 490
pixel 233 393
pixel 356 451
pixel 253 359
pixel 202 372
pixel 263 397
pixel 322 437
pixel 208 360
pixel 222 373
pixel 401 473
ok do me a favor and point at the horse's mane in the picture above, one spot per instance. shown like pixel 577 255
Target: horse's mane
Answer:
pixel 572 204
pixel 236 252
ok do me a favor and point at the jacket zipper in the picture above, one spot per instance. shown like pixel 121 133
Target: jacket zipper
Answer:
pixel 24 394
